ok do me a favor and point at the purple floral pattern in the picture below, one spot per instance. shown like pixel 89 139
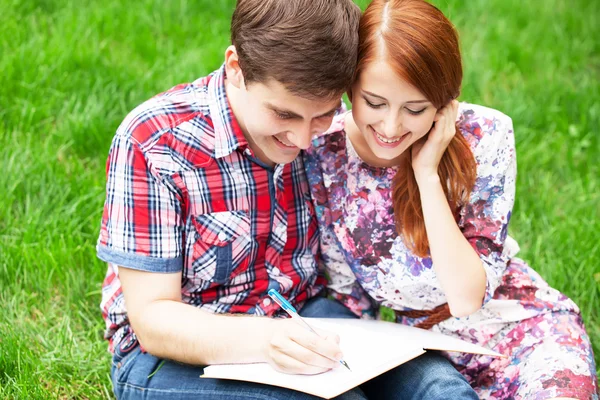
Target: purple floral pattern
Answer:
pixel 368 264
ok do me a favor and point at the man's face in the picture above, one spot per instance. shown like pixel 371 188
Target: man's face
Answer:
pixel 277 123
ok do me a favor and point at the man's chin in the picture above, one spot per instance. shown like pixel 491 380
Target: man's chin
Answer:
pixel 285 158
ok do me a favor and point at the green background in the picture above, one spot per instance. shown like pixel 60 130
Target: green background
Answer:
pixel 70 71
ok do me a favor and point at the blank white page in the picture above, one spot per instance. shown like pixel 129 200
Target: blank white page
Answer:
pixel 368 351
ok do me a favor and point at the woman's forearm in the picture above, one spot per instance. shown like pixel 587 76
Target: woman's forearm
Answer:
pixel 457 265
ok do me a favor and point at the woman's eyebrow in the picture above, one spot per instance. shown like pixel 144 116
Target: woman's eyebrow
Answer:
pixel 384 99
pixel 374 95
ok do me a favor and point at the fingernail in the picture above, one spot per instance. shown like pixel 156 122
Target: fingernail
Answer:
pixel 339 356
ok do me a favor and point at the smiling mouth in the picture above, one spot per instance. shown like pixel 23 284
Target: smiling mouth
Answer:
pixel 290 146
pixel 387 140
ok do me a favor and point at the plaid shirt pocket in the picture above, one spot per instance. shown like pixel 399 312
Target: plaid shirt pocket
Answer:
pixel 223 243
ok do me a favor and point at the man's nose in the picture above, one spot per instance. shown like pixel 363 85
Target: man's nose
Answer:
pixel 302 137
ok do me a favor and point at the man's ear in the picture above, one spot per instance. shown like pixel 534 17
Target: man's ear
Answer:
pixel 232 67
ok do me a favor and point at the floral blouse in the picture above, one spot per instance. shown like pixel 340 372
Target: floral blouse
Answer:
pixel 354 206
pixel 368 264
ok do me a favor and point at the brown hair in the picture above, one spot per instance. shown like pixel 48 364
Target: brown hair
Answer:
pixel 422 47
pixel 310 46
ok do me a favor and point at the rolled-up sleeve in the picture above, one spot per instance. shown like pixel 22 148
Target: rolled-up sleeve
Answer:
pixel 484 219
pixel 141 222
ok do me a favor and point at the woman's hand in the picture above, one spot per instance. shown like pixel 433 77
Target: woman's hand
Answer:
pixel 292 349
pixel 428 151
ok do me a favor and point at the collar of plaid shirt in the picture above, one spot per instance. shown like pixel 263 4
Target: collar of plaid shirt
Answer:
pixel 228 134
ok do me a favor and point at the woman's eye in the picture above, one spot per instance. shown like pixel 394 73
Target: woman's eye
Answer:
pixel 373 105
pixel 416 112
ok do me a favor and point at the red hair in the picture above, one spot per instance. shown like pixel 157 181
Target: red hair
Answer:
pixel 421 45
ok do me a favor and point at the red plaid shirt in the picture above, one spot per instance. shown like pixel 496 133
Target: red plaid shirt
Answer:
pixel 185 193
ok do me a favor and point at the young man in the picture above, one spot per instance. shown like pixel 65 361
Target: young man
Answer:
pixel 207 208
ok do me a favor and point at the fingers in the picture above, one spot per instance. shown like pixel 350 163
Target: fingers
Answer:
pixel 451 119
pixel 452 113
pixel 311 357
pixel 327 352
pixel 450 110
pixel 294 349
pixel 329 336
pixel 437 133
pixel 445 126
pixel 290 365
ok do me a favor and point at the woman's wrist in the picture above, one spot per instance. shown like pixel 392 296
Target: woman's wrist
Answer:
pixel 427 179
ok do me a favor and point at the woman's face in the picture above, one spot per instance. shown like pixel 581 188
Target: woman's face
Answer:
pixel 390 113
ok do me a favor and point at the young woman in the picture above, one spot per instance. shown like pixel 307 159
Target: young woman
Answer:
pixel 414 193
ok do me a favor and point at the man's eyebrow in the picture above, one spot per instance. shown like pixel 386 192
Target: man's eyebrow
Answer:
pixel 283 111
pixel 292 114
pixel 384 99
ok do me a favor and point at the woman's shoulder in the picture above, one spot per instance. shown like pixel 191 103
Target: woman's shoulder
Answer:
pixel 484 127
pixel 334 138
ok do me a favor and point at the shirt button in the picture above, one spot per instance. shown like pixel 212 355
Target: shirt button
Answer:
pixel 276 271
pixel 267 302
pixel 222 236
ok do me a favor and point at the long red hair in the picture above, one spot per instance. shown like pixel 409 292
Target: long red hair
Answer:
pixel 421 45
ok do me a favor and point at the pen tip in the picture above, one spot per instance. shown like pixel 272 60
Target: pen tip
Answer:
pixel 345 364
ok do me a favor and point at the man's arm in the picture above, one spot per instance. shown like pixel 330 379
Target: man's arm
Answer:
pixel 168 328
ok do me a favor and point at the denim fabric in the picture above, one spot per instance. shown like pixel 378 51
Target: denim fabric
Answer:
pixel 136 375
pixel 430 376
pixel 174 381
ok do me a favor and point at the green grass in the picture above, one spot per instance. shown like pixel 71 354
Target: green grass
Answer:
pixel 70 71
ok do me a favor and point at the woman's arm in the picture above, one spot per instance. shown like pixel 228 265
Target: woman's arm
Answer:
pixel 457 266
pixel 468 256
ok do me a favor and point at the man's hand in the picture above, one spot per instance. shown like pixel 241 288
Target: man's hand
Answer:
pixel 293 349
pixel 169 328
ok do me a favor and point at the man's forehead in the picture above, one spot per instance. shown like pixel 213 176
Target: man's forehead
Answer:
pixel 278 94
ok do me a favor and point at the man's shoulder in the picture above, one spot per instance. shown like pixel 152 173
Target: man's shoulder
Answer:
pixel 174 123
pixel 167 111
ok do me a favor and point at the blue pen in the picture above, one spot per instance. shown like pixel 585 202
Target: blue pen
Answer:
pixel 288 308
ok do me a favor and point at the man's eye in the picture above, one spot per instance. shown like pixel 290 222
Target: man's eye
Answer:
pixel 283 115
pixel 376 106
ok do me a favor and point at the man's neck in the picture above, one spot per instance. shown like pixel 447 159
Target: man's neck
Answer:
pixel 233 93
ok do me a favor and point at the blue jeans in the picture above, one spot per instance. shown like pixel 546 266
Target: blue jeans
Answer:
pixel 136 375
pixel 429 376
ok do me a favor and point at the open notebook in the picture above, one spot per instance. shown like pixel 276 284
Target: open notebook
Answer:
pixel 370 348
